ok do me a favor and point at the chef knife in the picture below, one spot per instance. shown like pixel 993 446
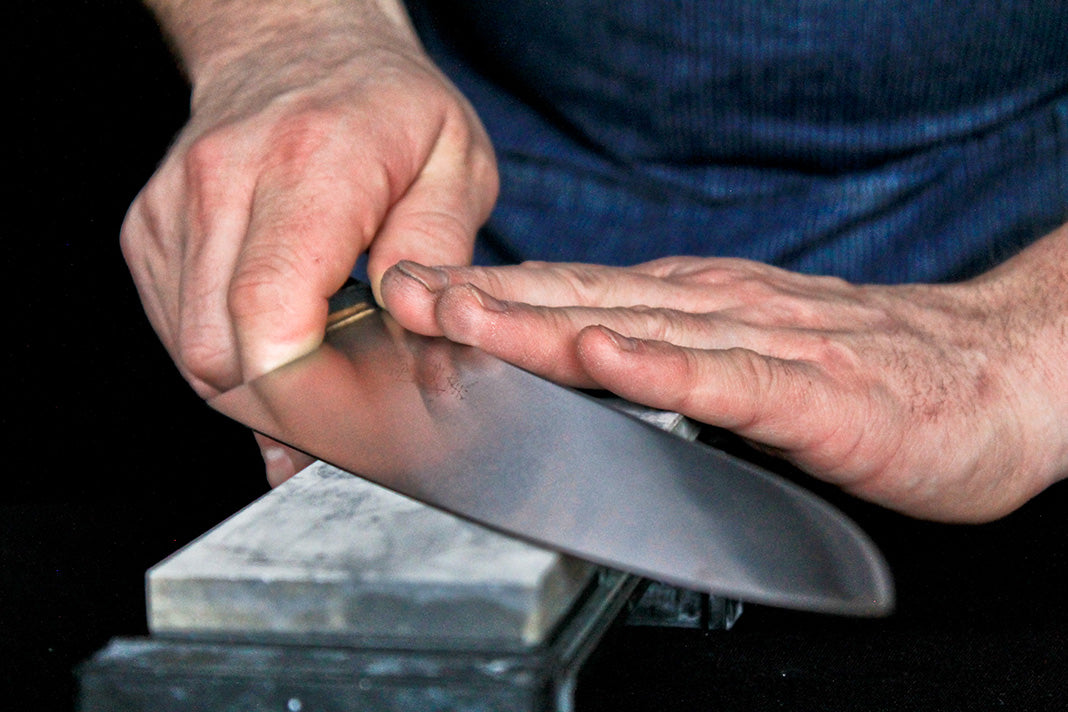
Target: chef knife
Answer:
pixel 463 431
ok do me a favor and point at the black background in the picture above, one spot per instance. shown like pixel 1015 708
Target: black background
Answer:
pixel 111 462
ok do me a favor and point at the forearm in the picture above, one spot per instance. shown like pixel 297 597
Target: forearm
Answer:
pixel 211 34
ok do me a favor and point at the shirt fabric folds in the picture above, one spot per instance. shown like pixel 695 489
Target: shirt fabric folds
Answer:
pixel 883 141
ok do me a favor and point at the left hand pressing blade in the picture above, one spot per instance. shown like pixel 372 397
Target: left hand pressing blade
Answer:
pixel 896 393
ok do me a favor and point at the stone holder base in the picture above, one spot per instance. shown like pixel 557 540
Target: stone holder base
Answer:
pixel 143 675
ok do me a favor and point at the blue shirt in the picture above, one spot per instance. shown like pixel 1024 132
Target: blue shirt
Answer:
pixel 883 141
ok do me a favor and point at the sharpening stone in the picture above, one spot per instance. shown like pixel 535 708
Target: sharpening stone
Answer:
pixel 327 557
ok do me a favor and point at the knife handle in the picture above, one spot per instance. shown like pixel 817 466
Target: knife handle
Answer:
pixel 352 301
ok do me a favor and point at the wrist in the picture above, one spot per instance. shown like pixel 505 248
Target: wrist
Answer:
pixel 219 40
pixel 1027 300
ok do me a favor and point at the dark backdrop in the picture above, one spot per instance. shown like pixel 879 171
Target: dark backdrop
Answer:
pixel 112 462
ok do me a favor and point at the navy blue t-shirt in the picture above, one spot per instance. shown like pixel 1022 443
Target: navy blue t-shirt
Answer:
pixel 880 141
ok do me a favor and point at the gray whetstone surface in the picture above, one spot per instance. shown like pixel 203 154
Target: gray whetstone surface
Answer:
pixel 328 555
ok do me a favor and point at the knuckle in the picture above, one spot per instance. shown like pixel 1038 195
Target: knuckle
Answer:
pixel 757 387
pixel 203 352
pixel 584 282
pixel 687 383
pixel 145 216
pixel 299 138
pixel 200 355
pixel 494 282
pixel 660 323
pixel 295 140
pixel 439 224
pixel 480 156
pixel 749 277
pixel 686 379
pixel 787 310
pixel 142 243
pixel 207 155
pixel 832 354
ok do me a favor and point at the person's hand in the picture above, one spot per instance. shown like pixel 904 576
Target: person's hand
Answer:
pixel 314 135
pixel 931 400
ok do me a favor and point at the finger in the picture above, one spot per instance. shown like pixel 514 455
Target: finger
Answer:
pixel 538 339
pixel 789 405
pixel 723 388
pixel 542 339
pixel 280 461
pixel 436 220
pixel 136 240
pixel 215 225
pixel 302 242
pixel 153 249
pixel 412 291
pixel 539 283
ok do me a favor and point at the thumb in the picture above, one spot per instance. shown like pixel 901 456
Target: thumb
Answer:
pixel 436 221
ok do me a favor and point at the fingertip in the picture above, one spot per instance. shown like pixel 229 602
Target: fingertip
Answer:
pixel 410 292
pixel 269 355
pixel 403 239
pixel 432 279
pixel 385 260
pixel 277 326
pixel 401 278
pixel 277 465
pixel 280 461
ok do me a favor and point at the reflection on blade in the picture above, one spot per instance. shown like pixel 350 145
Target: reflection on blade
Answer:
pixel 460 430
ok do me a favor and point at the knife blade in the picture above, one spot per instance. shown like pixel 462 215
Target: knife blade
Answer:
pixel 460 430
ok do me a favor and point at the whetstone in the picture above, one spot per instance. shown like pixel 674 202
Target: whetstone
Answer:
pixel 327 557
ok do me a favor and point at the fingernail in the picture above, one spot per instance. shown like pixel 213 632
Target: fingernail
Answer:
pixel 623 343
pixel 488 302
pixel 278 464
pixel 431 278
